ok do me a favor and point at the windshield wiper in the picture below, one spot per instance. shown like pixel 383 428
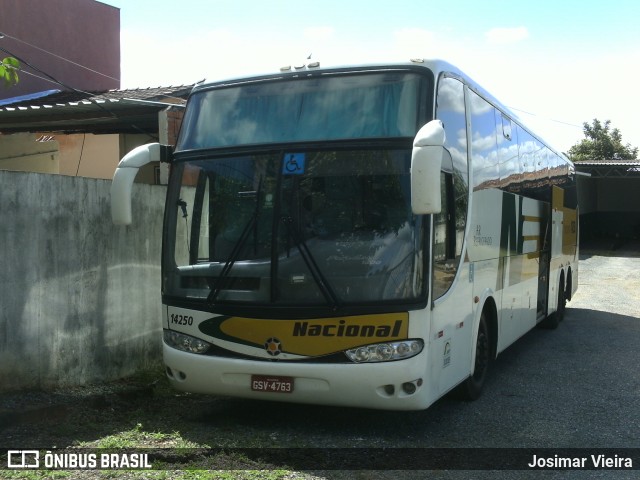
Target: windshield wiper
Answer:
pixel 305 253
pixel 235 253
pixel 237 248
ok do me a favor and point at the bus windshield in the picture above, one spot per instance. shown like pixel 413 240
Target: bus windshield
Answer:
pixel 316 227
pixel 331 107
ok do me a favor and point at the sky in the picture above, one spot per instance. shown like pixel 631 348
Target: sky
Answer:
pixel 555 63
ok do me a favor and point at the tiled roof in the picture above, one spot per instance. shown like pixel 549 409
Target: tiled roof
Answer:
pixel 618 163
pixel 160 94
pixel 609 168
pixel 113 111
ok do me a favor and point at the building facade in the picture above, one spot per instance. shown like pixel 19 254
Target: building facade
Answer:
pixel 77 42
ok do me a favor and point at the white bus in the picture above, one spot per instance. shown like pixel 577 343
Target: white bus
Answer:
pixel 368 236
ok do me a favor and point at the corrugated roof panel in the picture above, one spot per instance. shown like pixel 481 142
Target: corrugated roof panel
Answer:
pixel 62 98
pixel 103 112
pixel 609 163
pixel 28 97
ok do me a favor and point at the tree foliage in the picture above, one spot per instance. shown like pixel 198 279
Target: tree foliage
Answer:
pixel 9 71
pixel 601 142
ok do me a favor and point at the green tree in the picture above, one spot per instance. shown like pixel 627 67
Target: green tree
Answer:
pixel 601 142
pixel 9 71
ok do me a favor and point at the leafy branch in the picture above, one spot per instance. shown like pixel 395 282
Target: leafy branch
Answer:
pixel 9 71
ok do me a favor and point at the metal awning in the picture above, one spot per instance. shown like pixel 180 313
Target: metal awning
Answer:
pixel 114 111
pixel 609 169
pixel 27 97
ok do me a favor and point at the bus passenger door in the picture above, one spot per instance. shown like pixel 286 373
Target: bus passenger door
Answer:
pixel 451 327
pixel 544 265
pixel 451 290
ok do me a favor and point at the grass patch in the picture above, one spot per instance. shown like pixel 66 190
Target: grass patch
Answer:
pixel 202 475
pixel 137 437
pixel 144 414
pixel 34 475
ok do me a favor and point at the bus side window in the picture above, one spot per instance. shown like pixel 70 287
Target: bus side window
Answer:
pixel 449 226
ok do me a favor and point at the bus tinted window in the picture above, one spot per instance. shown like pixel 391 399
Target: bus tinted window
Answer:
pixel 450 224
pixel 483 143
pixel 343 107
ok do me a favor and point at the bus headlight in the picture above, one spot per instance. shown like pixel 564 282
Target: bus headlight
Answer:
pixel 186 343
pixel 385 352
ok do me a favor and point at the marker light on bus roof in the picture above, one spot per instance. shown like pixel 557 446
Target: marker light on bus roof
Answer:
pixel 288 68
pixel 385 352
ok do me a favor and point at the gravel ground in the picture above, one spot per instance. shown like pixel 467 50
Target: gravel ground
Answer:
pixel 574 387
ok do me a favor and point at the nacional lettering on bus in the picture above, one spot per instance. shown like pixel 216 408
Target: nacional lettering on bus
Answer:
pixel 341 329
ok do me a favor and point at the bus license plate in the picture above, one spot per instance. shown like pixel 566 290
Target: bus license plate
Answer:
pixel 267 383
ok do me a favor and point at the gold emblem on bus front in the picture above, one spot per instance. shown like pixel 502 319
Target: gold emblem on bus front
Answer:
pixel 273 346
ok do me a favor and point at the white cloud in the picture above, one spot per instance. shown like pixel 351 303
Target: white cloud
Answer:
pixel 503 36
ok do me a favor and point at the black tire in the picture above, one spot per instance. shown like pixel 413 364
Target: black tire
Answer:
pixel 567 289
pixel 471 388
pixel 552 321
pixel 562 303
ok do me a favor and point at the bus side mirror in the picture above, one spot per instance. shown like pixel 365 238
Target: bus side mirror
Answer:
pixel 122 184
pixel 426 163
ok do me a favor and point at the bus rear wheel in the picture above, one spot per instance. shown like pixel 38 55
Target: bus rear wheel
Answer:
pixel 471 388
pixel 553 320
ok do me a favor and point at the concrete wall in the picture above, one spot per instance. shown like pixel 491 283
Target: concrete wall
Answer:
pixel 618 195
pixel 23 152
pixel 88 155
pixel 84 155
pixel 587 194
pixel 609 208
pixel 79 297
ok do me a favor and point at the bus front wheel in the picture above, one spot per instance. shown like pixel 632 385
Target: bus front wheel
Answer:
pixel 471 388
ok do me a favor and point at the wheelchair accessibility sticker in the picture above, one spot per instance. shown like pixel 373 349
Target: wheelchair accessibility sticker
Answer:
pixel 293 164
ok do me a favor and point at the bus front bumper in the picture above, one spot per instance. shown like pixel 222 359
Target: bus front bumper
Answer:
pixel 398 385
